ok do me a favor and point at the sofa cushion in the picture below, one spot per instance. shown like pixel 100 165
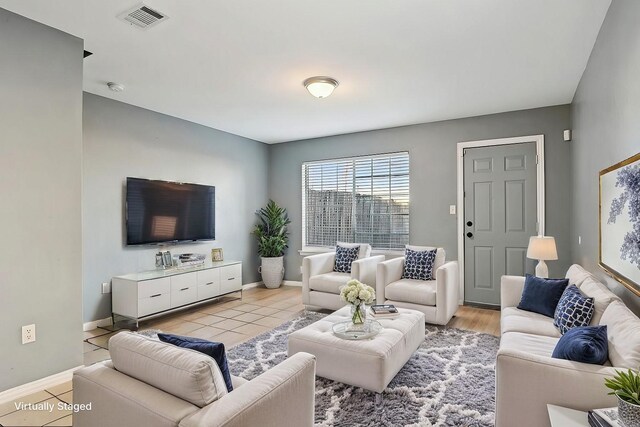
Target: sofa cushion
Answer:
pixel 440 255
pixel 237 381
pixel 542 295
pixel 534 344
pixel 601 295
pixel 419 264
pixel 422 292
pixel 187 374
pixel 623 330
pixel 213 349
pixel 577 275
pixel 516 320
pixel 574 309
pixel 586 344
pixel 365 248
pixel 344 258
pixel 329 282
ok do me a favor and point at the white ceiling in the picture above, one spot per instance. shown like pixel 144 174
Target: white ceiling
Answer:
pixel 238 65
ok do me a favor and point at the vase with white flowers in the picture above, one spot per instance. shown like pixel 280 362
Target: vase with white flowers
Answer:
pixel 357 294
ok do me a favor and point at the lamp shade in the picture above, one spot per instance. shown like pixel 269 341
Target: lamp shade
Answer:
pixel 542 248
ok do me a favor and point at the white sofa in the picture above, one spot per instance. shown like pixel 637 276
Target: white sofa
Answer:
pixel 437 299
pixel 321 285
pixel 528 378
pixel 161 385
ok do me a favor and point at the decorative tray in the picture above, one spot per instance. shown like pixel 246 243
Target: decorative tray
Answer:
pixel 350 331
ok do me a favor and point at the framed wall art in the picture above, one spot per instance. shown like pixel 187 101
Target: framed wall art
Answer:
pixel 619 222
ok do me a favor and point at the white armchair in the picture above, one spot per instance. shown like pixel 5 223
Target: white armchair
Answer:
pixel 437 299
pixel 321 285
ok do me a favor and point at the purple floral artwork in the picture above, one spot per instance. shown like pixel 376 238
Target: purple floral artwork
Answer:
pixel 628 179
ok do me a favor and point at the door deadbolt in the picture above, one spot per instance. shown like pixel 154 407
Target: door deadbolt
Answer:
pixel 469 223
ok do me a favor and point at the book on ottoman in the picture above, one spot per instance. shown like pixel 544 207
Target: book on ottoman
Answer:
pixel 384 311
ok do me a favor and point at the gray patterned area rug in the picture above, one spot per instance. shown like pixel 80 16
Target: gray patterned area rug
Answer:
pixel 449 381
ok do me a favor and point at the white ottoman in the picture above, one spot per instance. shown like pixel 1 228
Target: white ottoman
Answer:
pixel 371 363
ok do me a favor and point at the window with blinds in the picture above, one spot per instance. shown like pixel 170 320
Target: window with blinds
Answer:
pixel 361 199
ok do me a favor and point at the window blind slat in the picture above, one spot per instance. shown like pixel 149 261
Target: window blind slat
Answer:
pixel 361 199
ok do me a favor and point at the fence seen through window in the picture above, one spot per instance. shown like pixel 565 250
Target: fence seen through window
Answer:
pixel 360 199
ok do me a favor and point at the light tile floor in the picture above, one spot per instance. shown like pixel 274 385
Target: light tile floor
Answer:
pixel 228 320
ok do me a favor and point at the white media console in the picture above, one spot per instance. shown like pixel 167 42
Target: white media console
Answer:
pixel 151 293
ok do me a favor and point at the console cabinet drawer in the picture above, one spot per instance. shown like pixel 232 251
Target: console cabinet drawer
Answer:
pixel 184 296
pixel 209 277
pixel 181 281
pixel 146 288
pixel 230 278
pixel 208 291
pixel 154 304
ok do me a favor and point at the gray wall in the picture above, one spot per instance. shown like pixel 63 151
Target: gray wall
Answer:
pixel 40 190
pixel 432 149
pixel 606 127
pixel 121 140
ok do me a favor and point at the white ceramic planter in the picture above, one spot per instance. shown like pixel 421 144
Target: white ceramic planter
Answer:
pixel 628 413
pixel 272 270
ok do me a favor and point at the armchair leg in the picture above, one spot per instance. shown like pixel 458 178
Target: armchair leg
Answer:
pixel 379 399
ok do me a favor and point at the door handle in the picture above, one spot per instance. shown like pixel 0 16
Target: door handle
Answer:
pixel 469 234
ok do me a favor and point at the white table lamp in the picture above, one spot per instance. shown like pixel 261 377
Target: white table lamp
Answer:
pixel 542 248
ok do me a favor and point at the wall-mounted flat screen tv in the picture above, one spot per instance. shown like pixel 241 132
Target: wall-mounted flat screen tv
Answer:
pixel 164 212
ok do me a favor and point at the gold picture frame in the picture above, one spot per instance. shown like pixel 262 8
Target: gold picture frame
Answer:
pixel 217 255
pixel 618 229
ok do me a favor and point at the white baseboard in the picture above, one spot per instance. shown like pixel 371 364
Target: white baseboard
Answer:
pixel 89 326
pixel 292 283
pixel 261 285
pixel 251 285
pixel 23 390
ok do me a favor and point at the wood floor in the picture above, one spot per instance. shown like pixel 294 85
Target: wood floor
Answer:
pixel 229 320
pixel 477 319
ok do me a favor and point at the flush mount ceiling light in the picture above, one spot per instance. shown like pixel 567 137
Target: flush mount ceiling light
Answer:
pixel 116 87
pixel 320 86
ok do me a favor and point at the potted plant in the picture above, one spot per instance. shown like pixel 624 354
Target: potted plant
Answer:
pixel 273 239
pixel 626 387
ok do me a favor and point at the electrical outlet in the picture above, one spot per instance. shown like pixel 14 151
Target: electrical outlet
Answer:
pixel 106 288
pixel 28 334
pixel 452 209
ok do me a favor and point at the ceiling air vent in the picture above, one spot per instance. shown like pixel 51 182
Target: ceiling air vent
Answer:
pixel 142 16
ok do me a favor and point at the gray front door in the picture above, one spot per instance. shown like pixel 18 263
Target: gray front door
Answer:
pixel 500 215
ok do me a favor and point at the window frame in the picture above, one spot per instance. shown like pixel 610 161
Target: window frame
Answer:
pixel 310 249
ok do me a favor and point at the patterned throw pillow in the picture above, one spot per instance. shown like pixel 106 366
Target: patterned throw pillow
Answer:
pixel 574 309
pixel 419 264
pixel 344 258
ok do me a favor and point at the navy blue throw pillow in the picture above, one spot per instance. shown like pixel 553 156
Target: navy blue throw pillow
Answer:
pixel 574 309
pixel 586 344
pixel 213 349
pixel 344 258
pixel 419 264
pixel 542 295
